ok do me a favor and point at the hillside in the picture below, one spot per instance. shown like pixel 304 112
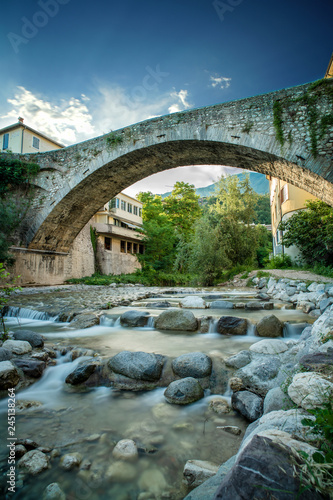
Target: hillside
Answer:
pixel 258 182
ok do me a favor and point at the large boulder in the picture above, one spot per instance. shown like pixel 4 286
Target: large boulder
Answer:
pixel 253 306
pixel 231 325
pixel 262 374
pixel 34 338
pixel 134 318
pixel 192 302
pixel 264 466
pixel 84 320
pixel 30 367
pixel 5 354
pixel 81 373
pixel 269 346
pixel 184 391
pixel 276 400
pixel 221 304
pixel 247 404
pixel 176 319
pixel 309 390
pixel 194 364
pixel 33 462
pixel 9 376
pixel 137 365
pixel 269 326
pixel 17 346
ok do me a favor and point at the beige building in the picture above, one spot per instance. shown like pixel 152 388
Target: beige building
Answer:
pixel 19 138
pixel 285 200
pixel 119 241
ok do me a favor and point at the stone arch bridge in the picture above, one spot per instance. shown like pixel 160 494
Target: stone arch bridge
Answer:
pixel 286 134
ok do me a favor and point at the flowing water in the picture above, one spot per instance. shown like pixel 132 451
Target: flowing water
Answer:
pixel 92 421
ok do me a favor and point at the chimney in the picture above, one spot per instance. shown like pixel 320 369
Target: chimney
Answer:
pixel 20 119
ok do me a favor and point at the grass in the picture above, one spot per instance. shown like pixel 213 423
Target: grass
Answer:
pixel 150 278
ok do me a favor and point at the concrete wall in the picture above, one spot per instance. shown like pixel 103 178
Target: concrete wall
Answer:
pixel 114 261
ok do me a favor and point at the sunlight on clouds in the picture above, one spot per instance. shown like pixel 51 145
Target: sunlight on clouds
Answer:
pixel 220 81
pixel 67 122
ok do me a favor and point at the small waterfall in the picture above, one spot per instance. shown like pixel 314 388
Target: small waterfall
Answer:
pixel 293 330
pixel 112 322
pixel 213 326
pixel 251 329
pixel 22 312
pixel 150 322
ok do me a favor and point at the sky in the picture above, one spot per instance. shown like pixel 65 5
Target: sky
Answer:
pixel 76 69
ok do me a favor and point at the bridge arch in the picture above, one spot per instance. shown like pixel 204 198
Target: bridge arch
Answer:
pixel 76 181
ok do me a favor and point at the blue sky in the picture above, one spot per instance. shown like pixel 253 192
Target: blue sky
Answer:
pixel 76 69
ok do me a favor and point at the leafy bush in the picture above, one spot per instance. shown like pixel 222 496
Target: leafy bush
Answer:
pixel 279 262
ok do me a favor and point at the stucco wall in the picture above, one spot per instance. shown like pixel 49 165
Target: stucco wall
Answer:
pixel 113 261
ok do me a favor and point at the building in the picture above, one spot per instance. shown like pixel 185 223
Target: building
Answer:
pixel 117 224
pixel 19 138
pixel 285 200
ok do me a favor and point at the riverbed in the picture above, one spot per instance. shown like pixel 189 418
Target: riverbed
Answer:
pixel 92 421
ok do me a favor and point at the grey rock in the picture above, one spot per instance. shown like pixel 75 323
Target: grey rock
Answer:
pixel 17 346
pixel 197 472
pixel 261 467
pixel 70 460
pixel 315 313
pixel 85 320
pixel 325 303
pixel 184 391
pixel 31 368
pixel 247 404
pixel 34 462
pixel 81 351
pixel 276 400
pixel 269 326
pixel 263 296
pixel 231 325
pixel 5 354
pixel 268 306
pixel 262 283
pixel 34 338
pixel 160 304
pixel 134 318
pixel 262 374
pixel 206 491
pixel 317 360
pixel 137 365
pixel 176 319
pixel 253 306
pixel 9 376
pixel 53 492
pixel 81 374
pixel 239 360
pixel 221 304
pixel 194 364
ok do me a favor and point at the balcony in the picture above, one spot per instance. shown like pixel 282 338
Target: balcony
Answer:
pixel 121 232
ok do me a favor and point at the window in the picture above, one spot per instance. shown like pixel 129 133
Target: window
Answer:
pixel 123 205
pixel 35 142
pixel 284 194
pixel 135 248
pixel 114 203
pixel 135 210
pixel 129 247
pixel 141 249
pixel 117 222
pixel 129 208
pixel 140 212
pixel 107 243
pixel 123 246
pixel 5 141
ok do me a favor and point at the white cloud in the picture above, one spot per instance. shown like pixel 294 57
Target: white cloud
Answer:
pixel 182 103
pixel 220 81
pixel 76 119
pixel 67 121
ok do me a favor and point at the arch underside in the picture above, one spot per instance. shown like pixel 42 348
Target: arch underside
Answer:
pixel 58 231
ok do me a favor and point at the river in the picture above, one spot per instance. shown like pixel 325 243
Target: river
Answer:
pixel 92 421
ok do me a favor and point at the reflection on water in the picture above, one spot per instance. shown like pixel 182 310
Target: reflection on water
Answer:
pixel 92 421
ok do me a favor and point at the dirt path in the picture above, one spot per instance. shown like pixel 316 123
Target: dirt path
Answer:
pixel 298 275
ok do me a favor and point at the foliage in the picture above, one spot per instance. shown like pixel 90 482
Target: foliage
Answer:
pixel 262 209
pixel 6 289
pixel 319 468
pixel 247 127
pixel 279 262
pixel 14 174
pixel 312 232
pixel 113 140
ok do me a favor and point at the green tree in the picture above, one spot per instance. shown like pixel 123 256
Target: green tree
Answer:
pixel 311 230
pixel 182 208
pixel 262 209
